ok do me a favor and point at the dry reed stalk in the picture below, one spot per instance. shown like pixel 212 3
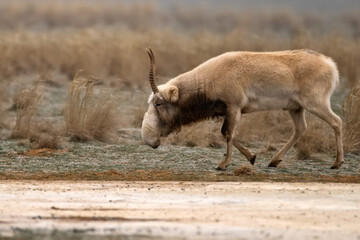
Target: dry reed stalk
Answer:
pixel 89 116
pixel 351 113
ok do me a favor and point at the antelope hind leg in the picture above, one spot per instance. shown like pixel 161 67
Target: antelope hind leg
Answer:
pixel 298 117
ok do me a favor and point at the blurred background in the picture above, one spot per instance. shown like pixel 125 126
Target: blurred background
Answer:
pixel 44 43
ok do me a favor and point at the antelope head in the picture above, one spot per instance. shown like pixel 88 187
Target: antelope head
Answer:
pixel 159 119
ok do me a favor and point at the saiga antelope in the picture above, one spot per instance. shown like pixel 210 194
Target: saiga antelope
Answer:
pixel 237 83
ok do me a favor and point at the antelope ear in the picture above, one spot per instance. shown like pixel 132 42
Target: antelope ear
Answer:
pixel 171 94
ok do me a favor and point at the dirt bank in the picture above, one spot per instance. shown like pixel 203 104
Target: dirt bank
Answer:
pixel 180 210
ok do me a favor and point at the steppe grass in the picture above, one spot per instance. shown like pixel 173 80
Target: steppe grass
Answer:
pixel 26 103
pixel 89 116
pixel 121 53
pixel 45 135
pixel 351 109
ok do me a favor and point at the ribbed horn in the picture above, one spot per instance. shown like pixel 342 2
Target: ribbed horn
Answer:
pixel 152 71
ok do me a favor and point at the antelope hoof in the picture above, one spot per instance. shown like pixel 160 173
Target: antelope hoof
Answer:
pixel 220 169
pixel 336 165
pixel 274 163
pixel 252 160
pixel 221 166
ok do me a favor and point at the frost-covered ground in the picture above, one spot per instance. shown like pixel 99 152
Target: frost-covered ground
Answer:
pixel 100 161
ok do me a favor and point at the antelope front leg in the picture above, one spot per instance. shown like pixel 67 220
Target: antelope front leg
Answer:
pixel 246 152
pixel 232 118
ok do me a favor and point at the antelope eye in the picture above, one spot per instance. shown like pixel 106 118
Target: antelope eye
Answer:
pixel 157 104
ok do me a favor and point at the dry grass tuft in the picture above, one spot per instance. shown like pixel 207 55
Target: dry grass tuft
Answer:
pixel 351 113
pixel 45 135
pixel 138 116
pixel 205 134
pixel 319 137
pixel 304 149
pixel 3 99
pixel 271 148
pixel 41 133
pixel 26 102
pixel 269 127
pixel 2 122
pixel 89 116
pixel 244 170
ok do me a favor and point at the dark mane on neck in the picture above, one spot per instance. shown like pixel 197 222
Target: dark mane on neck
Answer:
pixel 196 108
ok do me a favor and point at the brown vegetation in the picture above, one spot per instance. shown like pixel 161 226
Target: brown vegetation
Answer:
pixel 41 133
pixel 89 116
pixel 244 170
pixel 205 134
pixel 317 138
pixel 45 135
pixel 46 152
pixel 120 53
pixel 109 39
pixel 351 109
pixel 3 100
pixel 26 103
